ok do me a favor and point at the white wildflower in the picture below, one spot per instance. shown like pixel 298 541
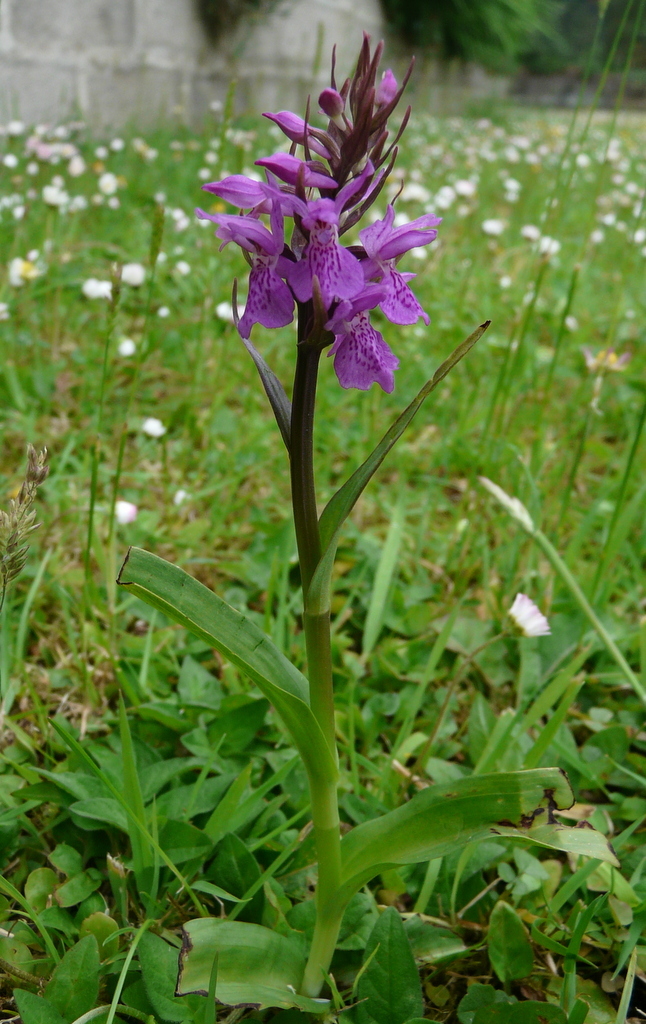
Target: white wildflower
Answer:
pixel 76 166
pixel 15 128
pixel 93 288
pixel 108 183
pixel 133 274
pixel 464 187
pixel 528 618
pixel 583 160
pixel 117 145
pixel 183 268
pixel 125 512
pixel 153 427
pixel 548 246
pixel 505 281
pixel 21 271
pixel 531 232
pixel 597 236
pixel 127 347
pixel 571 323
pixel 4 311
pixel 493 226
pixel 54 195
pixel 10 160
pixel 163 312
pixel 224 310
pixel 180 496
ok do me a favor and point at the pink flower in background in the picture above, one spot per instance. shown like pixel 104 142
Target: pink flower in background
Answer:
pixel 125 512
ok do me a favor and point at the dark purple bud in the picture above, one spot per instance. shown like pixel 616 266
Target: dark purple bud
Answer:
pixel 331 103
pixel 387 89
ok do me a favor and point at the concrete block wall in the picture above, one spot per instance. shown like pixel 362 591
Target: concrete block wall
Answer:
pixel 111 62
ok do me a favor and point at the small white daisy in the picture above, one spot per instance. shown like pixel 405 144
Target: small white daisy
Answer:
pixel 125 512
pixel 93 288
pixel 531 232
pixel 108 183
pixel 153 427
pixel 127 347
pixel 133 274
pixel 493 226
pixel 528 618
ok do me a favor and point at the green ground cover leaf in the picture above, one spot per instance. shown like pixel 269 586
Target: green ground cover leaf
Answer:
pixel 35 1009
pixel 390 983
pixel 509 949
pixel 159 967
pixel 74 986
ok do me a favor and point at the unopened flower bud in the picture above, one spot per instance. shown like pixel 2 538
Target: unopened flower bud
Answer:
pixel 387 89
pixel 331 103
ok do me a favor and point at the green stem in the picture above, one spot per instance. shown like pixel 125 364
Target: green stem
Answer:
pixel 329 908
pixel 323 792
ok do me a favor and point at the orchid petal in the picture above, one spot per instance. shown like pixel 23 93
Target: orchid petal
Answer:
pixel 400 304
pixel 362 357
pixel 269 302
pixel 237 189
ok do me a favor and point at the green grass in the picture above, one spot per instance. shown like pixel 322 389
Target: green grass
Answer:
pixel 522 409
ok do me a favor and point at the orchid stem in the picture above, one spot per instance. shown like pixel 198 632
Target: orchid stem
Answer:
pixel 323 792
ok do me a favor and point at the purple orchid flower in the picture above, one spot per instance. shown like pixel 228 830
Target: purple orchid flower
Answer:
pixel 294 126
pixel 384 244
pixel 269 301
pixel 288 168
pixel 339 273
pixel 361 356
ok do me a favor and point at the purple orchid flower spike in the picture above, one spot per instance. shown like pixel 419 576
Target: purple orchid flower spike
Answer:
pixel 384 244
pixel 269 302
pixel 361 356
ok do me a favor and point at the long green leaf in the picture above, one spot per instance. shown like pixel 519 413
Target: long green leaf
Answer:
pixel 442 819
pixel 142 853
pixel 192 605
pixel 275 392
pixel 341 504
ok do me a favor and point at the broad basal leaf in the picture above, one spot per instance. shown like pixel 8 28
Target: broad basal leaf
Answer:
pixel 256 967
pixel 445 818
pixel 192 605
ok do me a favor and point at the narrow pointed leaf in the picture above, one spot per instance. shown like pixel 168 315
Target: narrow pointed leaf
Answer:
pixel 442 819
pixel 142 853
pixel 171 590
pixel 275 392
pixel 256 967
pixel 341 504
